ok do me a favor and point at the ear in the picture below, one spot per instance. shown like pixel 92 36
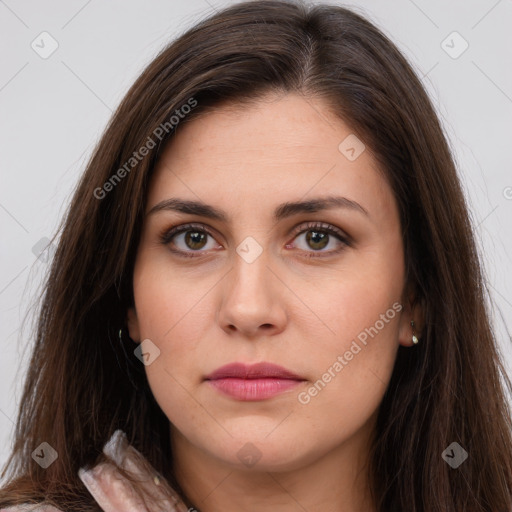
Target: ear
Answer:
pixel 133 324
pixel 413 310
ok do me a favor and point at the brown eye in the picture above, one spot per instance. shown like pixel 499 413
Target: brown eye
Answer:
pixel 317 239
pixel 318 236
pixel 195 239
pixel 188 239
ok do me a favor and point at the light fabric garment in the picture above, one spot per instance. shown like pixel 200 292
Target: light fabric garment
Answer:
pixel 113 492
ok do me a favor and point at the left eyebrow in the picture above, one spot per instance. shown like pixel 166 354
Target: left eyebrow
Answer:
pixel 282 211
pixel 315 205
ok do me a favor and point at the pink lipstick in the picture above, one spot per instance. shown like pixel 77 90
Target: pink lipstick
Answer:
pixel 253 382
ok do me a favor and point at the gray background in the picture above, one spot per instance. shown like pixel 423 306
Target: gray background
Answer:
pixel 53 111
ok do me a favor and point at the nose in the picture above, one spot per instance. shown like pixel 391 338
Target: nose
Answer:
pixel 253 299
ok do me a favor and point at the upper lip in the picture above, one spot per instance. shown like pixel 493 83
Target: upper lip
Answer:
pixel 253 371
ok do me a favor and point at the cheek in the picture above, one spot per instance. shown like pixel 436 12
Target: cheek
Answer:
pixel 357 297
pixel 362 328
pixel 168 303
pixel 354 356
pixel 350 371
pixel 172 312
pixel 170 318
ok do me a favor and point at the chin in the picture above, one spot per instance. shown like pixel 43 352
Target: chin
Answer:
pixel 268 452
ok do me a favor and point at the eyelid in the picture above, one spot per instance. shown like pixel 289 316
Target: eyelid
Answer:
pixel 168 233
pixel 321 226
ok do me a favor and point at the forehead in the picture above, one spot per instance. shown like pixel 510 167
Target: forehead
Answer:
pixel 281 148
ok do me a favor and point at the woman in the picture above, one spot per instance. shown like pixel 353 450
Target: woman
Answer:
pixel 266 294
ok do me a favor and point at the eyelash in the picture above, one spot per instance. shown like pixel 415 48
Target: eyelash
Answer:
pixel 168 234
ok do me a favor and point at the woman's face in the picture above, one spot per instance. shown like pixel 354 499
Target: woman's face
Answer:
pixel 317 290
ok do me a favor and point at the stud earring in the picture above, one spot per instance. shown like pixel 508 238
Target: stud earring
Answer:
pixel 415 339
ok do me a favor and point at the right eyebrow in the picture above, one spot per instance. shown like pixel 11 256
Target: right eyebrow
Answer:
pixel 191 207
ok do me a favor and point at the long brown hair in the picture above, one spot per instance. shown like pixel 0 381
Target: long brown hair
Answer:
pixel 82 384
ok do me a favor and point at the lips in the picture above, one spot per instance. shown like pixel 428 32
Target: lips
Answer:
pixel 259 381
pixel 255 371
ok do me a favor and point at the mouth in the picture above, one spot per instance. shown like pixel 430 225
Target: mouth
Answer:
pixel 260 381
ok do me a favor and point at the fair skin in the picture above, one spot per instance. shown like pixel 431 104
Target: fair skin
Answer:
pixel 301 313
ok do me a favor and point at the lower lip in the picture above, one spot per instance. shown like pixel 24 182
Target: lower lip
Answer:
pixel 253 389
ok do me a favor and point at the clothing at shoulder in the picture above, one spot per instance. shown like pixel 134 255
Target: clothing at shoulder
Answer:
pixel 114 492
